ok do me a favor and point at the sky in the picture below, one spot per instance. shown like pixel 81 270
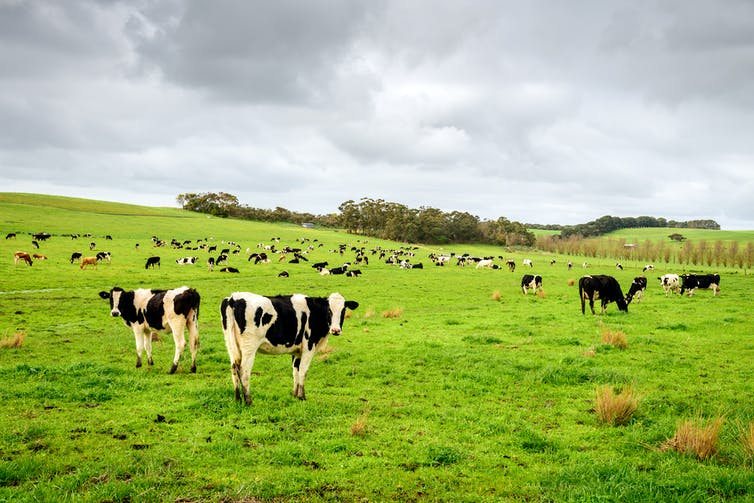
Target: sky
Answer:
pixel 545 112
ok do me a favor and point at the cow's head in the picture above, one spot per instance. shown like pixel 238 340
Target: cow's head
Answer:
pixel 337 305
pixel 622 304
pixel 114 296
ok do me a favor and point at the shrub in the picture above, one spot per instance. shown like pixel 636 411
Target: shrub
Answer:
pixel 693 440
pixel 616 409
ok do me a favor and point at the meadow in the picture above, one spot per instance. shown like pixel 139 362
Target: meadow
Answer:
pixel 447 384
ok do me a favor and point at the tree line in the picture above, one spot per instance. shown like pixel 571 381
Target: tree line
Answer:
pixel 376 218
pixel 608 224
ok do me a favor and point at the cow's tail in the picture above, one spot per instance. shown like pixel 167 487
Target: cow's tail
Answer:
pixel 581 296
pixel 231 330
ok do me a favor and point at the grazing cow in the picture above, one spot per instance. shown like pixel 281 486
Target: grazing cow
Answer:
pixel 35 244
pixel 39 256
pixel 691 282
pixel 648 267
pixel 104 256
pixel 186 260
pixel 22 255
pixel 211 263
pixel 92 246
pixel 229 269
pixel 511 265
pixel 295 324
pixel 85 261
pixel 528 262
pixel 355 272
pixel 340 270
pixel 605 288
pixel 619 266
pixel 283 274
pixel 151 262
pixel 147 311
pixel 637 288
pixel 531 281
pixel 487 262
pixel 670 283
pixel 10 235
pixel 75 257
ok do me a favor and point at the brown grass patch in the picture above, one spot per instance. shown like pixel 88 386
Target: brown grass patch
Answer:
pixel 541 293
pixel 360 427
pixel 571 282
pixel 324 352
pixel 615 338
pixel 15 341
pixel 392 313
pixel 695 440
pixel 496 295
pixel 590 352
pixel 616 409
pixel 369 313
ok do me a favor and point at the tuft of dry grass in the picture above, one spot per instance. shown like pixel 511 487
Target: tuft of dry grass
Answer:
pixel 496 295
pixel 615 338
pixel 747 440
pixel 698 441
pixel 590 352
pixel 324 353
pixel 571 282
pixel 359 427
pixel 392 313
pixel 616 409
pixel 369 313
pixel 540 294
pixel 15 341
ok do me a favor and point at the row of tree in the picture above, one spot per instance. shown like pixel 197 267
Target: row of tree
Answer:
pixel 377 218
pixel 608 224
pixel 697 253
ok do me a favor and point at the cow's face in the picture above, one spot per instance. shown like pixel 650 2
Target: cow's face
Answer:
pixel 114 296
pixel 337 311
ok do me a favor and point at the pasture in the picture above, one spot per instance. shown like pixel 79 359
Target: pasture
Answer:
pixel 447 384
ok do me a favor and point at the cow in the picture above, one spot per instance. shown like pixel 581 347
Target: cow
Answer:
pixel 637 288
pixel 283 274
pixel 648 267
pixel 528 262
pixel 147 311
pixel 22 255
pixel 294 324
pixel 531 281
pixel 10 235
pixel 152 261
pixel 340 270
pixel 103 256
pixel 85 261
pixel 619 266
pixel 605 288
pixel 186 260
pixel 211 264
pixel 670 283
pixel 353 273
pixel 511 265
pixel 39 256
pixel 691 282
pixel 484 263
pixel 229 269
pixel 75 257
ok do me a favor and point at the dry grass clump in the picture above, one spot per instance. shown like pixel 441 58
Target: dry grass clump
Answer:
pixel 693 440
pixel 616 409
pixel 360 427
pixel 15 341
pixel 392 313
pixel 615 338
pixel 496 295
pixel 369 313
pixel 540 294
pixel 747 440
pixel 571 282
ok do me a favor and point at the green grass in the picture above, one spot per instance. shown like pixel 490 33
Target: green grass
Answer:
pixel 460 398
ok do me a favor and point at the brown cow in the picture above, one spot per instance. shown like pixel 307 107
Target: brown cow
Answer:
pixel 85 261
pixel 39 256
pixel 21 255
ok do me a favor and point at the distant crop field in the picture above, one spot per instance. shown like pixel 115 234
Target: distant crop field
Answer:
pixel 447 384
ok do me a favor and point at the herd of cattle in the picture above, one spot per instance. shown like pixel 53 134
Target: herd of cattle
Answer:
pixel 300 325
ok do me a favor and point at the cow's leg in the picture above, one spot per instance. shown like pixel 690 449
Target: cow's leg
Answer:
pixel 591 304
pixel 244 373
pixel 193 329
pixel 177 326
pixel 139 336
pixel 303 368
pixel 148 345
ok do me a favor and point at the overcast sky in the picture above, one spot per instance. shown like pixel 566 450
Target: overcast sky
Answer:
pixel 539 111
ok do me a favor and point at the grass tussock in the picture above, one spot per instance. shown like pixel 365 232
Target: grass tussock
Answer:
pixel 496 295
pixel 616 409
pixel 571 282
pixel 699 441
pixel 14 341
pixel 369 313
pixel 392 313
pixel 747 441
pixel 324 353
pixel 615 338
pixel 540 294
pixel 360 427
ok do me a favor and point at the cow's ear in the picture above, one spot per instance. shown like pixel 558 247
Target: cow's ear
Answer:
pixel 104 295
pixel 352 304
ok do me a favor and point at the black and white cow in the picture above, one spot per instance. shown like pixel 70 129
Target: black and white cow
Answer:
pixel 691 282
pixel 670 283
pixel 602 287
pixel 147 311
pixel 293 324
pixel 533 281
pixel 75 257
pixel 637 288
pixel 103 255
pixel 186 260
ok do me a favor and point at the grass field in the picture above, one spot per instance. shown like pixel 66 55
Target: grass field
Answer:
pixel 447 384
